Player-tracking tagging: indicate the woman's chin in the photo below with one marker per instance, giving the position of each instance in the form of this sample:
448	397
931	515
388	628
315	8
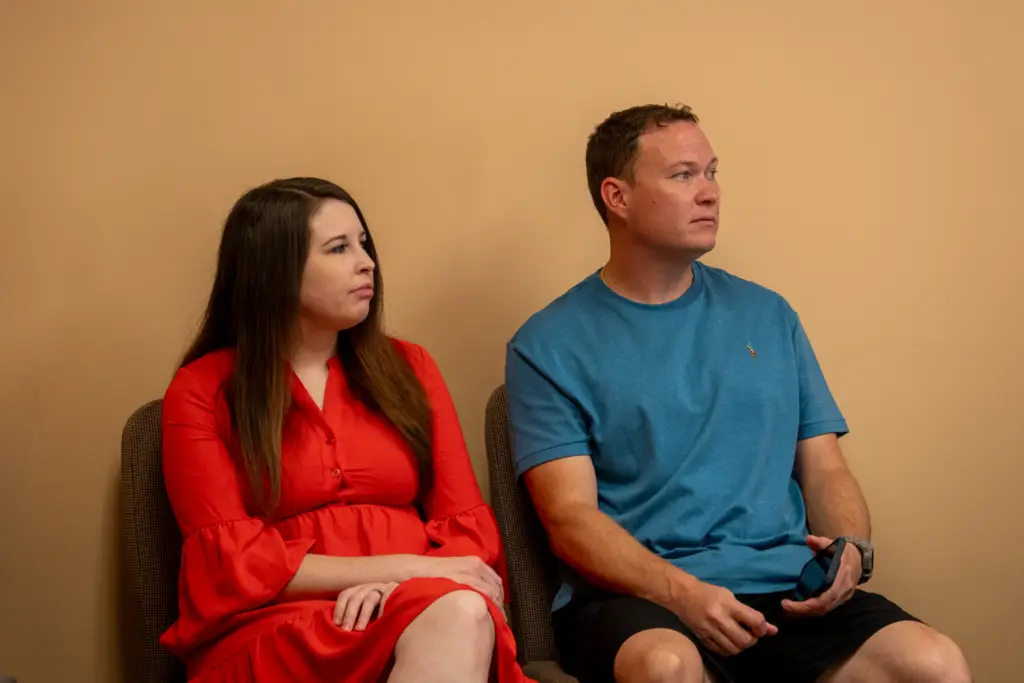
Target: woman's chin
351	318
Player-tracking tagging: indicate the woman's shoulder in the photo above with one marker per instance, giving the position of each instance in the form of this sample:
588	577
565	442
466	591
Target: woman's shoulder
418	357
410	350
205	375
416	354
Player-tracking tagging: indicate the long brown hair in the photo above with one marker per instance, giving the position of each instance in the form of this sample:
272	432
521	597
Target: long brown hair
253	308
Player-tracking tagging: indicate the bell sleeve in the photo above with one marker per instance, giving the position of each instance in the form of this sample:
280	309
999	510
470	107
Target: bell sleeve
459	521
231	561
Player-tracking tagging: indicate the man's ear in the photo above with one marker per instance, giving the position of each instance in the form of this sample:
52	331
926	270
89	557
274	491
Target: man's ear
616	195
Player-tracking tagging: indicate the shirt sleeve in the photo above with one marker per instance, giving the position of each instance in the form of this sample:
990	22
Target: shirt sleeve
231	562
546	424
459	521
819	413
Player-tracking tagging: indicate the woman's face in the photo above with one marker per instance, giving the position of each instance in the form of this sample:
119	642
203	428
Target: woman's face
337	283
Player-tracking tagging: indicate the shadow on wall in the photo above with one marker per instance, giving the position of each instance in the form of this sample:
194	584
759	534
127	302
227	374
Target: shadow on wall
475	304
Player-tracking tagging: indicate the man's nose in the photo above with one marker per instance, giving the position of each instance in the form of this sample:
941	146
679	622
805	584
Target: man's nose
708	193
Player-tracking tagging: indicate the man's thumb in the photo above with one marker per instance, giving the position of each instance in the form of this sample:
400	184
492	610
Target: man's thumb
818	542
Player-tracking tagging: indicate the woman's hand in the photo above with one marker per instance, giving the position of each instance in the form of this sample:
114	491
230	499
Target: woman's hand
470	571
356	605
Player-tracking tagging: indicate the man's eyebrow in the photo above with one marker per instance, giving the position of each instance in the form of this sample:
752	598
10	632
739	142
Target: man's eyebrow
689	163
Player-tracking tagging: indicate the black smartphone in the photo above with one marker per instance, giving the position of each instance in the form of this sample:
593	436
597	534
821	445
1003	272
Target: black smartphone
820	571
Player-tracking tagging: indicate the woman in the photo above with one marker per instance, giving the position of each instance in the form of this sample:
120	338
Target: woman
333	529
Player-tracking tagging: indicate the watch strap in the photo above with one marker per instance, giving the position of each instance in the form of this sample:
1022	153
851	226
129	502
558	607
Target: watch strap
867	554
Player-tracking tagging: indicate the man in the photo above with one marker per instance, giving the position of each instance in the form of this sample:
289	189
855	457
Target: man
680	444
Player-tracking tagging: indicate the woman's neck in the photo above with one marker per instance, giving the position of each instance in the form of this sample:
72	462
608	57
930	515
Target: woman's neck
314	347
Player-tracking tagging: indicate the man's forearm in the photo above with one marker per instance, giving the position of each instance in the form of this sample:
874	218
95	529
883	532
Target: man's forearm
836	505
607	556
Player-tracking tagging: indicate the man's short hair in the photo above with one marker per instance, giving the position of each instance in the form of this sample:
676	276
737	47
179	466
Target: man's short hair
612	147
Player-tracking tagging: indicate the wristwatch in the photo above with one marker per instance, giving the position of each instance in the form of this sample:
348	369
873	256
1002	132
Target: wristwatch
867	556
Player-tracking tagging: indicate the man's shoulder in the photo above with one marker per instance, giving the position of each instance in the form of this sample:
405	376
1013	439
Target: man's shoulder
735	290
557	319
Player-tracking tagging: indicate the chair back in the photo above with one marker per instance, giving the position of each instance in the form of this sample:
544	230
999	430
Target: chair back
152	544
532	569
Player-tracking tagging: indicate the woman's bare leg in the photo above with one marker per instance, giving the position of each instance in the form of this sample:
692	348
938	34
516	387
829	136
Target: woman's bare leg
449	642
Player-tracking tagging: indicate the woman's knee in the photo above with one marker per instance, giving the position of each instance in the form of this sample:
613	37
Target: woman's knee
465	614
658	656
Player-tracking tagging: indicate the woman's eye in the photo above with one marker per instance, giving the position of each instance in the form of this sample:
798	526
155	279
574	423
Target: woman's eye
339	249
683	175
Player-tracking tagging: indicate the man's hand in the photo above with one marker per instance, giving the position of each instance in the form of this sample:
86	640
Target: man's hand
723	623
842	589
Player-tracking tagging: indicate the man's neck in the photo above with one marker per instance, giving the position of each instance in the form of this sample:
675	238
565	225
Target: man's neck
644	280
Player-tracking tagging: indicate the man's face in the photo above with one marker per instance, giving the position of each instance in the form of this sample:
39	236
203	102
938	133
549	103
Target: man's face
674	198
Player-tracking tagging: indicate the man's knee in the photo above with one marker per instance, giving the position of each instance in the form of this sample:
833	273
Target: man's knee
658	656
915	652
936	659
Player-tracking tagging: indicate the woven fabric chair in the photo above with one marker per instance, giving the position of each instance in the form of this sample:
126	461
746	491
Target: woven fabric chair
532	571
152	544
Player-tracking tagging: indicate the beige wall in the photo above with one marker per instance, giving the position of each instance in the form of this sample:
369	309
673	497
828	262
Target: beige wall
871	169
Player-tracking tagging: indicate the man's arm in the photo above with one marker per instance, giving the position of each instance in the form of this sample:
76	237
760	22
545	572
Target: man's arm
835	503
835	507
564	492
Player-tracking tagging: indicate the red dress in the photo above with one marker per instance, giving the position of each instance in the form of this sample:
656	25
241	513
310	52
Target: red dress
348	485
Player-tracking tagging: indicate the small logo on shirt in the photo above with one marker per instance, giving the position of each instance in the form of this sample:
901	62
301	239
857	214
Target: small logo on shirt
753	353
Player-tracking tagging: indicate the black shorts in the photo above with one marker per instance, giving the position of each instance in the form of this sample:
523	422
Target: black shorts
590	632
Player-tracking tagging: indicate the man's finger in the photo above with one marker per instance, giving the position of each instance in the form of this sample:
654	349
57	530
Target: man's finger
725	646
809	607
818	542
832	597
710	644
754	620
738	636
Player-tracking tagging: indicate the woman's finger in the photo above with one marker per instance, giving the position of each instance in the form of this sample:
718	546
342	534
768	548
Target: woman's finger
486	573
495	588
340	605
369	605
353	607
384	598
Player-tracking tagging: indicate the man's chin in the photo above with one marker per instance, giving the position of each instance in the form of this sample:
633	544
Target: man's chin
697	247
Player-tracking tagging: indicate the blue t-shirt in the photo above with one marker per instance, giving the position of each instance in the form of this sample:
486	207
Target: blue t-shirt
690	411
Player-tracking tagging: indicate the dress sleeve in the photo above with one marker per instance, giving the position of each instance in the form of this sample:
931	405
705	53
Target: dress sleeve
459	522
231	562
